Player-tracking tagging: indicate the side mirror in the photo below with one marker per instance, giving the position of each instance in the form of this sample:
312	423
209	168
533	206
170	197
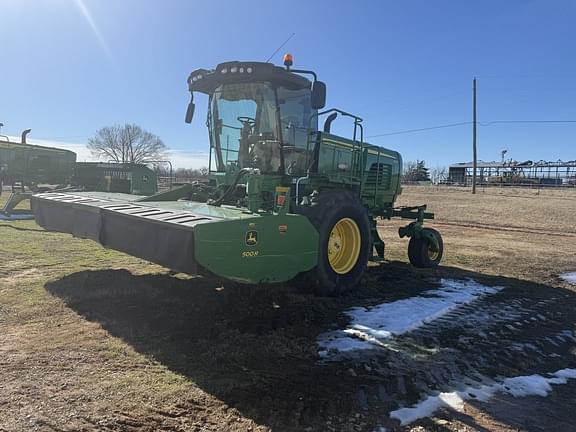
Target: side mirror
318	95
190	112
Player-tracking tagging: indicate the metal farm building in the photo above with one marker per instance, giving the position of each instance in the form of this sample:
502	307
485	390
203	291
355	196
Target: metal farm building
528	173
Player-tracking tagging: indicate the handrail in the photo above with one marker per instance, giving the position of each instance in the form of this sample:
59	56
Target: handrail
357	124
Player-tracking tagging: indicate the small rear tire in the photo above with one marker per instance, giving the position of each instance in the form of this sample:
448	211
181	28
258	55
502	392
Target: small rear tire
421	253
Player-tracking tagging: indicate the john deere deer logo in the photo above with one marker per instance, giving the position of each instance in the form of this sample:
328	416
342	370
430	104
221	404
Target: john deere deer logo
252	238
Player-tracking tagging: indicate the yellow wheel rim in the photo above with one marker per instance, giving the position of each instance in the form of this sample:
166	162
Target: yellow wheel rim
433	255
344	246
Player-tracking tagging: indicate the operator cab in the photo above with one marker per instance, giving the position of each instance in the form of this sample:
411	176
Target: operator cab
260	116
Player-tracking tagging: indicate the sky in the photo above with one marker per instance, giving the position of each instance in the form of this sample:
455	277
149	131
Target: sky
69	67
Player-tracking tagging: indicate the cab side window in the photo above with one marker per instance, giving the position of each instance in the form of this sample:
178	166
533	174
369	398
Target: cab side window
297	120
295	112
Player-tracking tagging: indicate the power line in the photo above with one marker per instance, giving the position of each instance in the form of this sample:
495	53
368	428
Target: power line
488	123
420	129
525	121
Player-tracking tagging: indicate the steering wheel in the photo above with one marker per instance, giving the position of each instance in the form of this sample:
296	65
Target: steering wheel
246	120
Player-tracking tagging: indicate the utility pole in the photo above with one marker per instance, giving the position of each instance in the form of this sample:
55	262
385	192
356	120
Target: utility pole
475	162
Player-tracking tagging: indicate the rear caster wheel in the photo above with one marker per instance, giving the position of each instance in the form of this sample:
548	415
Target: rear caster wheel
421	252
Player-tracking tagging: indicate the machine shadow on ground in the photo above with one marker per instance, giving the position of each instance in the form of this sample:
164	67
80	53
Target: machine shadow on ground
255	347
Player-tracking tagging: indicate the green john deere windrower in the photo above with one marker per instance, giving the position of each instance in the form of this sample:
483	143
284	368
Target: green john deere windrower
285	200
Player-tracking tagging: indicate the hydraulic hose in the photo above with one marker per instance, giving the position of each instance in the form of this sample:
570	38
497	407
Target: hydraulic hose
230	189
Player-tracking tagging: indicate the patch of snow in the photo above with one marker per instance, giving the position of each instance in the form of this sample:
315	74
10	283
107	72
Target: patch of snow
530	385
369	327
569	277
341	343
428	406
527	385
566	374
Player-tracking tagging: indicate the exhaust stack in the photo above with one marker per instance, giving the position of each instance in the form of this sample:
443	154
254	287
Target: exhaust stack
24	134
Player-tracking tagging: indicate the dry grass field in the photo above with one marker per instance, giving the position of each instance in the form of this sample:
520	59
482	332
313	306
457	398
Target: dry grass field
94	340
524	233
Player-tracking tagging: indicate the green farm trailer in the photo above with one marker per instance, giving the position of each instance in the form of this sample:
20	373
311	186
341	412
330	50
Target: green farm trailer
26	165
286	201
130	178
28	169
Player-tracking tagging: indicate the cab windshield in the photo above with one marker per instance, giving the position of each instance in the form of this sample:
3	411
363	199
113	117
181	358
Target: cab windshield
254	125
244	127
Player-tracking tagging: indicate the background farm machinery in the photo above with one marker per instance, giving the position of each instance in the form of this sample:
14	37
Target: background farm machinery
27	169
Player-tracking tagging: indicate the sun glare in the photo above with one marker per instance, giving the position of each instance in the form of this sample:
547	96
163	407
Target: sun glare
88	17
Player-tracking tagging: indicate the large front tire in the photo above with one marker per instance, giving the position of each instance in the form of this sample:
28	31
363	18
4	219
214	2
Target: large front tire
344	242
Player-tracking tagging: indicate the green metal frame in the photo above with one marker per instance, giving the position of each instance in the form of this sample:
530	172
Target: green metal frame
14	199
416	229
285	246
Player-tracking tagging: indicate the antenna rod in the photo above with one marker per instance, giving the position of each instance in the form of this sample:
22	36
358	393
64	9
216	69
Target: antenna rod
278	49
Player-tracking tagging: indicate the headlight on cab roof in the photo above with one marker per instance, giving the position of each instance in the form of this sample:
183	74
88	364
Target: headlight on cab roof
236	69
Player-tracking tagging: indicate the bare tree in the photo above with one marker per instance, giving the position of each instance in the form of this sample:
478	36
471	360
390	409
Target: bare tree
409	168
128	143
438	174
415	171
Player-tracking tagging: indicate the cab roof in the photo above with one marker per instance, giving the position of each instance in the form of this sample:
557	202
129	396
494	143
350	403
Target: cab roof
206	81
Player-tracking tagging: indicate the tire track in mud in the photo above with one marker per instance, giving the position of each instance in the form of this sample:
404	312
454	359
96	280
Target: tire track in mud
503	334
